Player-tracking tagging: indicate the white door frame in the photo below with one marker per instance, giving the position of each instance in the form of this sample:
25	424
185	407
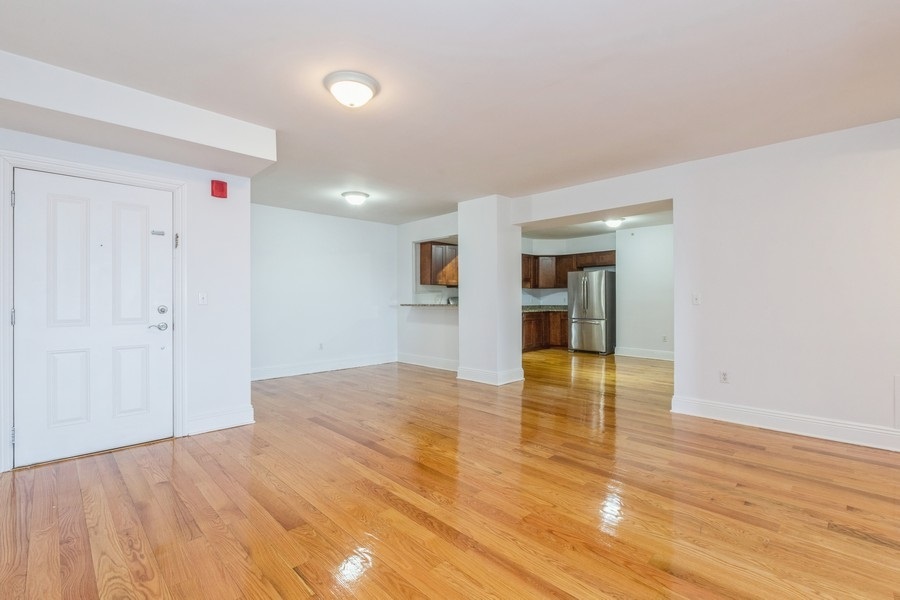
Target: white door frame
9	161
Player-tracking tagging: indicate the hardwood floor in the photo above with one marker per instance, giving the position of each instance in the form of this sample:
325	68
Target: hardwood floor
397	481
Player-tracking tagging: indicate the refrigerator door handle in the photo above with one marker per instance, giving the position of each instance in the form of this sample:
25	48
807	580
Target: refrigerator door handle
584	295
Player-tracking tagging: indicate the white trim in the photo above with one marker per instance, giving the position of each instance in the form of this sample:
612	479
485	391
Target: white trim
645	353
435	362
319	366
830	429
213	421
12	160
491	377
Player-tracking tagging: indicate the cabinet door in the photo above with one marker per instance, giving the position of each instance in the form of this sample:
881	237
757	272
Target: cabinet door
426	267
534	335
450	272
527	271
564	264
438	264
558	329
546	272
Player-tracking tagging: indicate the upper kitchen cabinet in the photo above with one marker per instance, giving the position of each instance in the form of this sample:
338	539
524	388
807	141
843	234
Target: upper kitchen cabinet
438	264
606	258
564	264
546	271
528	271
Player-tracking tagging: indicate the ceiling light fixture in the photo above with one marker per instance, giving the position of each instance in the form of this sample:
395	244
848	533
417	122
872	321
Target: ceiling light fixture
351	88
355	198
614	222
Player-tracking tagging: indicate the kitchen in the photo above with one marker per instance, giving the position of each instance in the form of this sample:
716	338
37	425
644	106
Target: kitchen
640	251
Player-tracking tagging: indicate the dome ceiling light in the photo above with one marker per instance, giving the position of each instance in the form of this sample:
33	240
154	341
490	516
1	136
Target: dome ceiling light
355	198
614	222
351	88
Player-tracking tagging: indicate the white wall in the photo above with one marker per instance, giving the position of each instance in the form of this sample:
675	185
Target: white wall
427	336
645	311
215	256
324	292
490	278
792	248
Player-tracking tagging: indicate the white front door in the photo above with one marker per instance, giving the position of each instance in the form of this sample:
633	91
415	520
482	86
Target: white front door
93	316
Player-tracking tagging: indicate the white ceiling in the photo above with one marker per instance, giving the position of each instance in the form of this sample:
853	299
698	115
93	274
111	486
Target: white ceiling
507	97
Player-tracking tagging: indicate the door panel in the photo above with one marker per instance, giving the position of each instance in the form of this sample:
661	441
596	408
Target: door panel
93	260
589	336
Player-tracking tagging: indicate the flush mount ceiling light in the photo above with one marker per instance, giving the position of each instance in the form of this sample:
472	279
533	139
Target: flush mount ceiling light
355	198
614	222
351	88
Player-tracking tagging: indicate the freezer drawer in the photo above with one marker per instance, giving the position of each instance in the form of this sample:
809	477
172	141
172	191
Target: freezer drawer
590	336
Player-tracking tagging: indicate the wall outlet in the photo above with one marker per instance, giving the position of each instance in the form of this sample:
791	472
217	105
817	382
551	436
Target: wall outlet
202	299
696	298
665	338
723	377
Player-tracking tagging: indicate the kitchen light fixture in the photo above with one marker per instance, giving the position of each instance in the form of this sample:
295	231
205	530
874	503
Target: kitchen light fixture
355	198
614	222
351	88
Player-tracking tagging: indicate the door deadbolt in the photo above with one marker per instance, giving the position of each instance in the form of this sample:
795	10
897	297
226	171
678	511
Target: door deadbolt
162	309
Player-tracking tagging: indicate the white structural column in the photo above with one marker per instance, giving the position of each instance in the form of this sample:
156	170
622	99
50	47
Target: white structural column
490	281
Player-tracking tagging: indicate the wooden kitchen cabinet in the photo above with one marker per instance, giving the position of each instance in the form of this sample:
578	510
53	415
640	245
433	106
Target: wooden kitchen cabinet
534	331
606	258
564	264
546	272
544	330
438	264
558	329
528	277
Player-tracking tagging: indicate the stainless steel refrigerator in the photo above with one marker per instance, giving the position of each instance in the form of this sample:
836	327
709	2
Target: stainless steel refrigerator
592	311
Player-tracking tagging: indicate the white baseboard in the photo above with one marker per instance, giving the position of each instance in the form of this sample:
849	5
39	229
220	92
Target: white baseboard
491	377
818	427
320	366
435	362
213	421
645	353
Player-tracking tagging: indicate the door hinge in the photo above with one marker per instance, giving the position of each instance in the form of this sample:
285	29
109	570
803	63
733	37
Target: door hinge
177	239
12	317
12	198
13	436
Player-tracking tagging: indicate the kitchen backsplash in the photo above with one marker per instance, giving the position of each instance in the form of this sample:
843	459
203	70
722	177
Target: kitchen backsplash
544	297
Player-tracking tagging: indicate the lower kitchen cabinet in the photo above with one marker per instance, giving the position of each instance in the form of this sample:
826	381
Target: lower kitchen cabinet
534	331
557	329
544	330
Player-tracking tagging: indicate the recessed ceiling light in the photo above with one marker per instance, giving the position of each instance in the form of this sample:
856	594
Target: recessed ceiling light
355	198
351	88
614	222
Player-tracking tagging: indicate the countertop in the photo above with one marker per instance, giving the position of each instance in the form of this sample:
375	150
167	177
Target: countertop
529	308
545	308
444	305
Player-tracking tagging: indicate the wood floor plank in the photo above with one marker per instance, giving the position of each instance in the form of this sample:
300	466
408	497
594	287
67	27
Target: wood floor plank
15	530
76	566
109	560
44	543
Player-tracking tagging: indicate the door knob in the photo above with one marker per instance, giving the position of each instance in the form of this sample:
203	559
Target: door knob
160	326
